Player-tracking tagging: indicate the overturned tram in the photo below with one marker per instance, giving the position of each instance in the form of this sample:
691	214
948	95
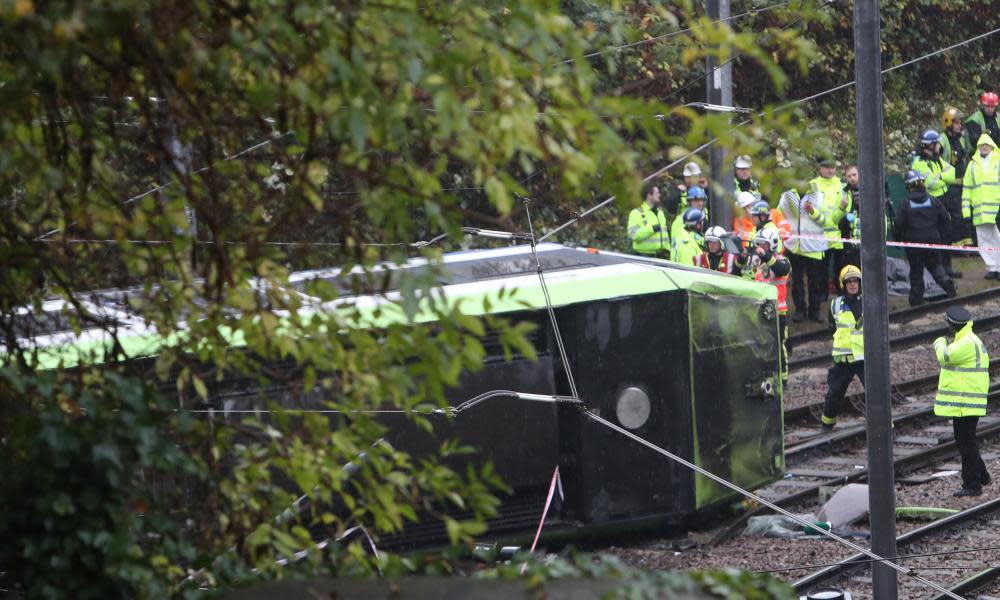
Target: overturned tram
684	358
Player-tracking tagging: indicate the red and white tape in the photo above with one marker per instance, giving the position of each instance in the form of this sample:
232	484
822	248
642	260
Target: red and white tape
820	238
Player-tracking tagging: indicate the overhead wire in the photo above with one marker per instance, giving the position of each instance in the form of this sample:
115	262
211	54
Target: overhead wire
732	486
779	108
658	38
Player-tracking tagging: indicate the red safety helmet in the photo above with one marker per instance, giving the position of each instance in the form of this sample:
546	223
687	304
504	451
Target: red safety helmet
989	99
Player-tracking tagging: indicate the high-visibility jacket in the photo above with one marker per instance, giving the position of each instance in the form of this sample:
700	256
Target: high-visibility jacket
727	262
677	226
964	383
938	173
978	124
746	230
849	335
686	246
981	185
779	282
640	230
832	189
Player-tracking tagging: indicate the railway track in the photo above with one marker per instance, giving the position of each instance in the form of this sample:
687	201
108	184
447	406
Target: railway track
976	523
904	315
808	462
897	343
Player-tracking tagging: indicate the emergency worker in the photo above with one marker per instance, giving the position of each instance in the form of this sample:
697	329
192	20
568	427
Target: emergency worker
766	265
677	200
696	198
743	225
848	344
984	120
744	182
850	224
981	199
921	220
835	205
687	244
956	150
963	387
647	225
761	213
715	256
938	175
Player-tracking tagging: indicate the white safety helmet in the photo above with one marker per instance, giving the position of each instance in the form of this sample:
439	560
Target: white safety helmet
743	162
714	234
768	236
745	199
692	170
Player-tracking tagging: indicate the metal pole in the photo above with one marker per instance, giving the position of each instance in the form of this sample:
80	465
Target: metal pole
881	483
720	92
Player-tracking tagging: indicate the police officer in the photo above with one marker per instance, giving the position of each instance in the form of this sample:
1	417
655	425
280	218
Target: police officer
647	225
962	392
848	344
687	244
984	120
835	205
938	175
850	224
922	219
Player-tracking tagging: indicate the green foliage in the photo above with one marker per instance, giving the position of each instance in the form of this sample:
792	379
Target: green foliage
299	136
82	510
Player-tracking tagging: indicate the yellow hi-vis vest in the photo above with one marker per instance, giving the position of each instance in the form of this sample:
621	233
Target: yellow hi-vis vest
981	186
849	336
640	230
965	375
833	191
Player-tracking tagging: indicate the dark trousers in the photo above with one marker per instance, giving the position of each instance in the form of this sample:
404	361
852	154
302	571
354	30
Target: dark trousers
783	332
815	270
974	473
920	259
837	379
836	259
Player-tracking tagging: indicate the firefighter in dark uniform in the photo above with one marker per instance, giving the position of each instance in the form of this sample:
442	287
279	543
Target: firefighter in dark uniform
922	219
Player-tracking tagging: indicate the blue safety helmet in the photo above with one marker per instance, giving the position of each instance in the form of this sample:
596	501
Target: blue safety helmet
913	176
693	216
760	209
696	192
930	137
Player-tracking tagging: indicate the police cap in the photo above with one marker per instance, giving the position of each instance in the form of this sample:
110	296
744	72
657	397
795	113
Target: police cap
956	315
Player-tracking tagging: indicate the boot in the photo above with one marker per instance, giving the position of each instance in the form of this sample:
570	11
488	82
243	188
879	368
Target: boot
951	289
968	491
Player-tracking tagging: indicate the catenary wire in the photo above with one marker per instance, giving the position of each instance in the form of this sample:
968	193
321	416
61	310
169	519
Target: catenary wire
548	306
776	110
751	12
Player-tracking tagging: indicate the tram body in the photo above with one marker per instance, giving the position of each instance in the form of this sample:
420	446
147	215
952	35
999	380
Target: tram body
684	358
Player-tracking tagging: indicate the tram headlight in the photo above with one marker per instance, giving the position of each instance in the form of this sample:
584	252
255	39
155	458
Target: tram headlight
632	407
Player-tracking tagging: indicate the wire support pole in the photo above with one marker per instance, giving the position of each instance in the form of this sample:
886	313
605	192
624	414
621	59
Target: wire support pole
871	156
880	559
548	305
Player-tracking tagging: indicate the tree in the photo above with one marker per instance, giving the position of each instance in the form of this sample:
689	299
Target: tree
195	153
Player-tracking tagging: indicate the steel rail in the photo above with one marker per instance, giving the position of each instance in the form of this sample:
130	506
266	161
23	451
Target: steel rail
901	466
860	561
903	315
975	583
899	342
